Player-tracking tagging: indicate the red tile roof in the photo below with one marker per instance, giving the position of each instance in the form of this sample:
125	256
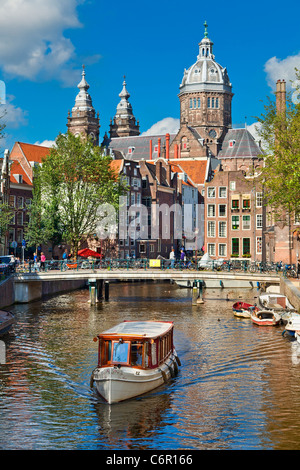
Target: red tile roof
195	170
17	169
34	153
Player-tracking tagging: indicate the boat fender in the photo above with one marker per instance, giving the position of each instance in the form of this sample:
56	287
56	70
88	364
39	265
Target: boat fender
92	381
171	371
164	376
175	368
178	360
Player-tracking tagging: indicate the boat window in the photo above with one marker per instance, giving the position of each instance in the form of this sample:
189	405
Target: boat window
136	353
120	351
153	354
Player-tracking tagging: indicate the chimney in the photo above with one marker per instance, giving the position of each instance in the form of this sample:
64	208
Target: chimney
158	151
167	146
280	96
168	173
151	152
176	151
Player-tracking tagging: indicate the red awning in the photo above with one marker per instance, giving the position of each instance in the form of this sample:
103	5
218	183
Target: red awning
87	252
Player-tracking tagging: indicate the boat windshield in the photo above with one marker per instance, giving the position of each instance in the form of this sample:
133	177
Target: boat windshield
120	351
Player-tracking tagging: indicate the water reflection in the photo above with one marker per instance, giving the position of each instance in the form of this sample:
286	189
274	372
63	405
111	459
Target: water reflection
238	387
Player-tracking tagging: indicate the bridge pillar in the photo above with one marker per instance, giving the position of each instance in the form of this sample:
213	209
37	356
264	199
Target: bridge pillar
106	290
195	293
99	289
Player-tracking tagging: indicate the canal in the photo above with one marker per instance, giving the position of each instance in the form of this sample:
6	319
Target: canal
238	387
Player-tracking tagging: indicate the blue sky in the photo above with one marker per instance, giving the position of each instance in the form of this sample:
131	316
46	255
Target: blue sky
43	44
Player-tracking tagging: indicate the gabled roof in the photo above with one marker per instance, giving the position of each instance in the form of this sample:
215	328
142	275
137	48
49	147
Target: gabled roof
34	153
139	145
17	169
196	170
239	143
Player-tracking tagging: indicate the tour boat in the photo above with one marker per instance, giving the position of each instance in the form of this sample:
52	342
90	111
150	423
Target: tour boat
6	321
134	358
265	318
243	310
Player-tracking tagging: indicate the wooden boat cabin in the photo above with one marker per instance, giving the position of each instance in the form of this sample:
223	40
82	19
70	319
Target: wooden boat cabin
144	345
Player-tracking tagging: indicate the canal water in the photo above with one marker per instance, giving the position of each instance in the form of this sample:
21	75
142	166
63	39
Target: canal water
238	387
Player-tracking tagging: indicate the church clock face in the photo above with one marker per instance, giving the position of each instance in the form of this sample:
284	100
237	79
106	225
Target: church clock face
212	134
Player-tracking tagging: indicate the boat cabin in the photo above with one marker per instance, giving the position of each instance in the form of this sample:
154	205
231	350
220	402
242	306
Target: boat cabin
144	345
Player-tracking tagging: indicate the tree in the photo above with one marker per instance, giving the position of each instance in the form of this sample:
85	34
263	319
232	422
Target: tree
280	133
71	185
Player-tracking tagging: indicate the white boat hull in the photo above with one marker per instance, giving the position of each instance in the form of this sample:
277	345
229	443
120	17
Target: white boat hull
115	384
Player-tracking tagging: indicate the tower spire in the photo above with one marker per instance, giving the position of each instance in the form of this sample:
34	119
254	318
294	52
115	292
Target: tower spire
205	31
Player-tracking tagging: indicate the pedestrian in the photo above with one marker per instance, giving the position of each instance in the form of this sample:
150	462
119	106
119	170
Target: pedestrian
36	262
43	259
172	258
65	259
182	256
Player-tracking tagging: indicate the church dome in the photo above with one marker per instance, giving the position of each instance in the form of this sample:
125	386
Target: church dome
206	74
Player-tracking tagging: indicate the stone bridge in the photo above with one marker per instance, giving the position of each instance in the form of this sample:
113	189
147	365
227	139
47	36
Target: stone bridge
33	286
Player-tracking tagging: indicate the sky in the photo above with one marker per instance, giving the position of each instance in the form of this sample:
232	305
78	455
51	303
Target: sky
44	43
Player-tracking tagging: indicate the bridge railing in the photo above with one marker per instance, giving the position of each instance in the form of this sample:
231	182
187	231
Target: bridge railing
144	263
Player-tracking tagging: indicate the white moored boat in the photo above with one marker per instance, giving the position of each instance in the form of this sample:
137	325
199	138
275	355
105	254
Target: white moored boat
134	358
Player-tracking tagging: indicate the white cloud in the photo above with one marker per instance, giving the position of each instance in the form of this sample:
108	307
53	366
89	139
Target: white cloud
13	116
32	40
46	143
284	69
166	125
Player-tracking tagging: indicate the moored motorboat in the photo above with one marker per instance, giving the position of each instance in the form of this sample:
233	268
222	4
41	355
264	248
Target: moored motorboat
134	358
243	309
6	321
265	318
275	302
292	326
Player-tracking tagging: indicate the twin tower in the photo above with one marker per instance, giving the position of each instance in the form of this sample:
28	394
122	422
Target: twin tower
205	95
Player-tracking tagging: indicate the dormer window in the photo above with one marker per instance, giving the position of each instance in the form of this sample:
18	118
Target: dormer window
131	150
231	143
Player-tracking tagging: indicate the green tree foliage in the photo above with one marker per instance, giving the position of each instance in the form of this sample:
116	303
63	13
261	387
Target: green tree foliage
71	185
280	133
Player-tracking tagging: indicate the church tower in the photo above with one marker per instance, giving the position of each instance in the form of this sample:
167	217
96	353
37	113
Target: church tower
205	104
124	123
83	120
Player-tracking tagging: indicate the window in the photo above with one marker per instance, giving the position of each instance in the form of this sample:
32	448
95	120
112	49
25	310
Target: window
259	199
20	201
246	222
222	210
217	102
211	212
132	199
199	103
212	102
19	235
246	202
258	245
211	192
195	103
246	246
20	218
222	229
211	229
12	201
191	103
208	102
232	185
235	246
222	249
222	191
297	217
211	248
259	221
235	222
142	248
120	352
235	204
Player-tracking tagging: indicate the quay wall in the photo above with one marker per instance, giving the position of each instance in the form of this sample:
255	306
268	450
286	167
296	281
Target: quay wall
7	293
12	292
291	289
